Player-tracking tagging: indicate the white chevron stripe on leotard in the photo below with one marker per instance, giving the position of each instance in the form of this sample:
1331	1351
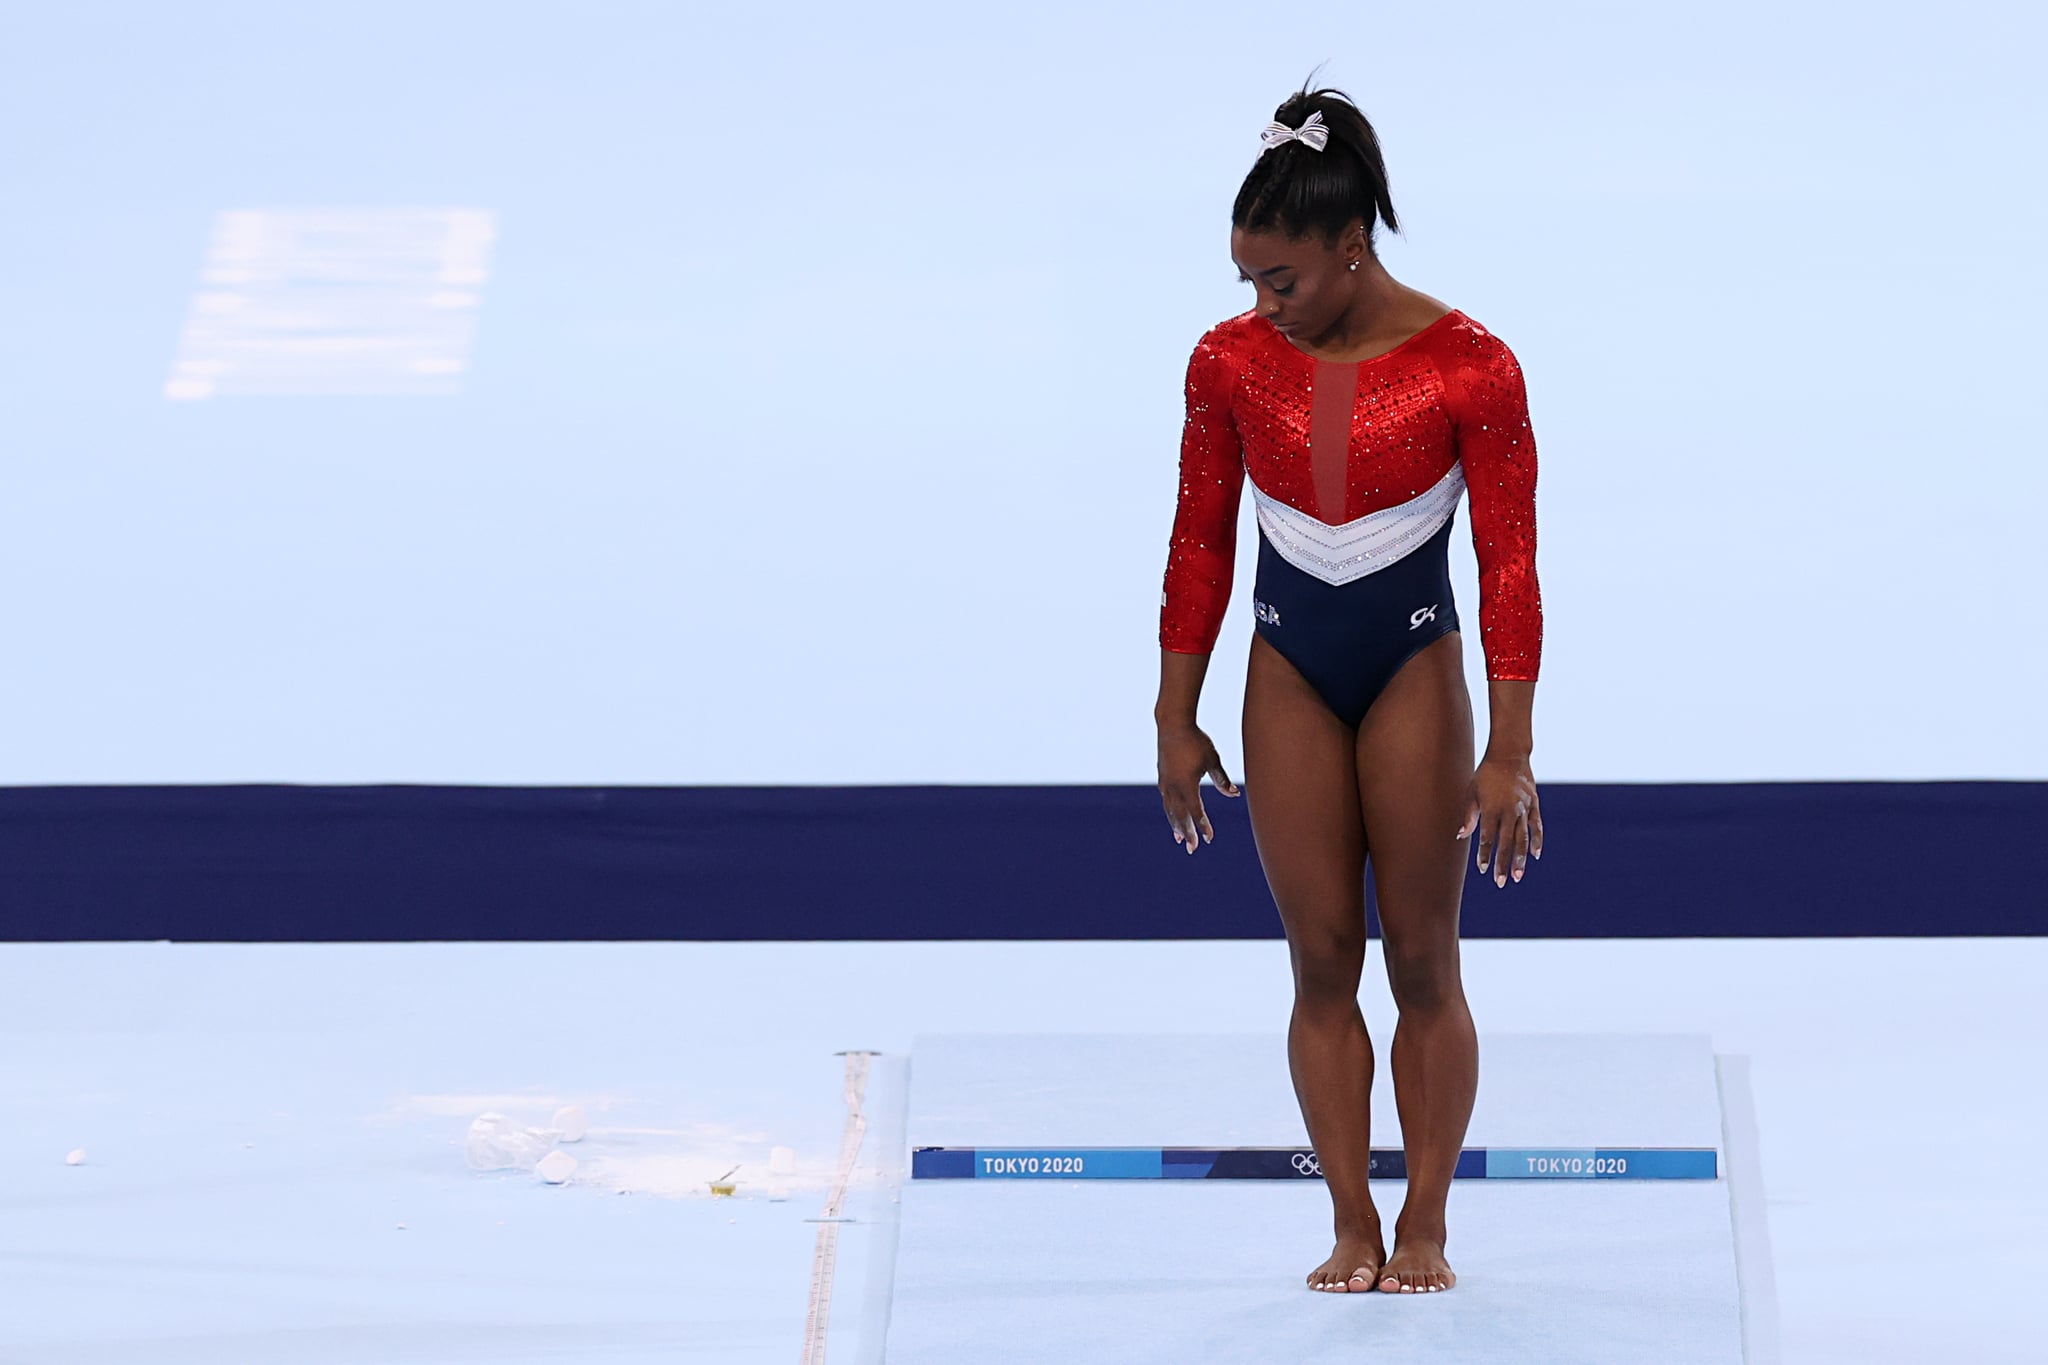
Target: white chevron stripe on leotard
1367	544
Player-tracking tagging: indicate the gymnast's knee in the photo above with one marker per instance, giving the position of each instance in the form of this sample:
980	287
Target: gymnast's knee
1424	983
1326	972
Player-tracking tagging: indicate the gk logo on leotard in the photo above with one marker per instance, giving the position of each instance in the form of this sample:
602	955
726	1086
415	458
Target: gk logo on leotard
1266	612
1421	614
1305	1163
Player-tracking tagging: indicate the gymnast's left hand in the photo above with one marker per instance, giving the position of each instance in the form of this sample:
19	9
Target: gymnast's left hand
1500	802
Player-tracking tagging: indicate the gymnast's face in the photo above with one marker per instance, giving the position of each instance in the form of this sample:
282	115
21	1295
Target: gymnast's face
1303	286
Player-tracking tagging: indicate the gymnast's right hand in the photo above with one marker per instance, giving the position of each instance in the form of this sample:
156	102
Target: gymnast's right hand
1186	756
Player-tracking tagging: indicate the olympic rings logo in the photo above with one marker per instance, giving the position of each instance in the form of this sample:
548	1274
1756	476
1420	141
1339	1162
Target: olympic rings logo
1305	1163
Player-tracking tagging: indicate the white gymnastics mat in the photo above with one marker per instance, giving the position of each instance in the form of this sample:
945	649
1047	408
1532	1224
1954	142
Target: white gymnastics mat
1232	1089
1076	1271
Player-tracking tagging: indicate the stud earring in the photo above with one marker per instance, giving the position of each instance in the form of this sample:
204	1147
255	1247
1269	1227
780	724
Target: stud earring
1352	266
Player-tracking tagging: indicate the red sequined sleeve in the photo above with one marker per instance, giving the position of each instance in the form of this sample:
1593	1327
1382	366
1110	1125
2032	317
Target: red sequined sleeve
1490	409
1203	551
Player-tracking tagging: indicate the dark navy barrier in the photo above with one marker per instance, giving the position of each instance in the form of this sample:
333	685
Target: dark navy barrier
402	862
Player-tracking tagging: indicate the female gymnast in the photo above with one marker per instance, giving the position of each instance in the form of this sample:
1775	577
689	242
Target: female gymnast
1360	408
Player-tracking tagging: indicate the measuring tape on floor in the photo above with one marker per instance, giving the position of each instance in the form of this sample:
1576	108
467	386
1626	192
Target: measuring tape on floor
818	1317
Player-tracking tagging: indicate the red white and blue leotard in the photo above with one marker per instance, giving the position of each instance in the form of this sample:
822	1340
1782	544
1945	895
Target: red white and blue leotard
1356	468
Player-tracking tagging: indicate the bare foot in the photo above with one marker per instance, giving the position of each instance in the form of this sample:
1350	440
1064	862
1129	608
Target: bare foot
1351	1267
1416	1267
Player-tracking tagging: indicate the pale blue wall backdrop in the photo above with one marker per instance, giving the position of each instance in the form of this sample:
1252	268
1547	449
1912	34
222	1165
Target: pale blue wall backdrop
820	419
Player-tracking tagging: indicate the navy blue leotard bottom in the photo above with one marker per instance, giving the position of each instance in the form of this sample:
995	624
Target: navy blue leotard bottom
1348	641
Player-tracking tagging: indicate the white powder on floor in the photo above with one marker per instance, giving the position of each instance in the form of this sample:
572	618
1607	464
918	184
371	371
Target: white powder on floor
672	1162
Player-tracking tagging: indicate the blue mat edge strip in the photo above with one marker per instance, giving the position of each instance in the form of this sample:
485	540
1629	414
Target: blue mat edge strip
1298	1163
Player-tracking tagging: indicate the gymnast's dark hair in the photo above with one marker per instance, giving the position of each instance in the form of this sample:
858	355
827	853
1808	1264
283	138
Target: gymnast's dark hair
1302	191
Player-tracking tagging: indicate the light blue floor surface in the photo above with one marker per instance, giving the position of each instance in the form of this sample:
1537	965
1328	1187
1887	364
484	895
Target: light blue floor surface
258	1121
1147	1273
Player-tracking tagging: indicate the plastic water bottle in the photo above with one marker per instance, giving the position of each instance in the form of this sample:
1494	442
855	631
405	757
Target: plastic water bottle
496	1143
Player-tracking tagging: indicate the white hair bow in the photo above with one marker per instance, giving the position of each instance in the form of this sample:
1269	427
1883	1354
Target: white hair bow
1312	132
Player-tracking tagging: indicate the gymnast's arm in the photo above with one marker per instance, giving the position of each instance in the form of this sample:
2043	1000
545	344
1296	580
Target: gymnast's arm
1199	564
1497	448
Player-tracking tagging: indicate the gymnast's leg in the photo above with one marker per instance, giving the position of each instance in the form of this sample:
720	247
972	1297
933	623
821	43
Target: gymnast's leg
1301	791
1414	761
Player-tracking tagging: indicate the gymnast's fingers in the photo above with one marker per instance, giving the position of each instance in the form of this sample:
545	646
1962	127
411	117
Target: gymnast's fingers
1197	820
1183	808
1221	778
1507	831
1521	844
1489	826
1175	805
